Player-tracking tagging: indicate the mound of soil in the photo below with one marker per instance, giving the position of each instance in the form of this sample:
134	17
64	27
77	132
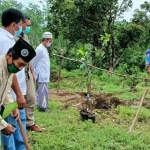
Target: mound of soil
114	101
101	102
79	100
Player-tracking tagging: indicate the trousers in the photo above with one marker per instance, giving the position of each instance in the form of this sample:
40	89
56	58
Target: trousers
30	101
42	94
15	140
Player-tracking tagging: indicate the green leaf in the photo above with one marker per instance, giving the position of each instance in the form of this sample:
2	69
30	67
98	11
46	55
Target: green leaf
102	38
107	35
81	52
82	66
9	108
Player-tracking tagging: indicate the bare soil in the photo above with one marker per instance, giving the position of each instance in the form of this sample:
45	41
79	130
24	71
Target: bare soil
99	101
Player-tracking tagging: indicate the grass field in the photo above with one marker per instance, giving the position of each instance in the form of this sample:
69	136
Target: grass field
64	129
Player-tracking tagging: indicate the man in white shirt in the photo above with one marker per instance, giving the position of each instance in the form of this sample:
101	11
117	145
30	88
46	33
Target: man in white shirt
7	32
12	25
41	66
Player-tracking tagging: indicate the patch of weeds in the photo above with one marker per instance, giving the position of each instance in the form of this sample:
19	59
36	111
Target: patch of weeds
64	130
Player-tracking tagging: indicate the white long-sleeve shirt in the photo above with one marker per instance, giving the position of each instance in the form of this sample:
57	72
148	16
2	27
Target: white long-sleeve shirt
22	83
6	42
41	64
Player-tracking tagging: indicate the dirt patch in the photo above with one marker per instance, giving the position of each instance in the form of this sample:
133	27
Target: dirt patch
116	102
106	102
63	95
100	101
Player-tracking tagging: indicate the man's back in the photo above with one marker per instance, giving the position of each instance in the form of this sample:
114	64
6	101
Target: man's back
6	41
147	59
5	79
23	36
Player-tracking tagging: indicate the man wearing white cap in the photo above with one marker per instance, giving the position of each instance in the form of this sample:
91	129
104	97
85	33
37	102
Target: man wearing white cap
41	66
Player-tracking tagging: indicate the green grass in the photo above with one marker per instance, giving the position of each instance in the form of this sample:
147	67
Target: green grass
65	130
72	81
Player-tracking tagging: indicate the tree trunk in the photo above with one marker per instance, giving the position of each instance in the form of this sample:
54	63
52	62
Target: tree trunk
67	47
89	85
111	69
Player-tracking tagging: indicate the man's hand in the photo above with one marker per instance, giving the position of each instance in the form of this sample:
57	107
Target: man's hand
8	130
21	101
149	69
16	114
33	78
32	72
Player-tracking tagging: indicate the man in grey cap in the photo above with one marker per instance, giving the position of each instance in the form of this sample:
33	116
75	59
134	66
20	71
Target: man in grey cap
41	66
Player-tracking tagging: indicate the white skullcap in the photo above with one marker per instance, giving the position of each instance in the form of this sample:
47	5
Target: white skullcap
47	35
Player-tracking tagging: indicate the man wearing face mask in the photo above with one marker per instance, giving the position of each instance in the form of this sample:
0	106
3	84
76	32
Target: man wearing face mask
15	60
12	25
25	29
41	66
30	92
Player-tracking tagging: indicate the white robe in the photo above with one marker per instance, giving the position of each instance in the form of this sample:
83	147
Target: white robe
41	64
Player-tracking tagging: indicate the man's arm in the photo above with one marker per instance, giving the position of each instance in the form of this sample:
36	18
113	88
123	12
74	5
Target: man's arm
4	46
36	59
3	123
32	72
149	69
20	98
147	60
4	126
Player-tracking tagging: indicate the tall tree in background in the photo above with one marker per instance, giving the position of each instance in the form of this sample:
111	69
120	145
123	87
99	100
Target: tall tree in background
142	17
34	12
87	20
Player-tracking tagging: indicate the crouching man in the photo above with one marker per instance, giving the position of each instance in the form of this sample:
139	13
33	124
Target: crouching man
15	60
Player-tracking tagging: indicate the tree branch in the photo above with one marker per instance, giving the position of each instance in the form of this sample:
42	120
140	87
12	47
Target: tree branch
95	23
125	49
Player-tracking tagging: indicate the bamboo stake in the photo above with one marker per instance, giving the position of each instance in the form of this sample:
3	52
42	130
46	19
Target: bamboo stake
137	113
123	82
98	68
24	136
59	73
146	81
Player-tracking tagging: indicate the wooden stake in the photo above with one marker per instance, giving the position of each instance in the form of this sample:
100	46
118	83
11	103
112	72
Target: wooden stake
89	80
129	76
137	113
123	82
146	81
59	73
24	136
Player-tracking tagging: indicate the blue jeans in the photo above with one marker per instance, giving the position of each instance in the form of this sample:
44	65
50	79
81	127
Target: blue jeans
15	140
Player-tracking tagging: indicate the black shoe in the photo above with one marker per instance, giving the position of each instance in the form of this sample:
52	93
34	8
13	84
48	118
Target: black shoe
45	110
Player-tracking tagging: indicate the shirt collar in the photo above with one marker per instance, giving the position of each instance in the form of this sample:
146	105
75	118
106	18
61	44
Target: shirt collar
43	46
5	64
7	33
